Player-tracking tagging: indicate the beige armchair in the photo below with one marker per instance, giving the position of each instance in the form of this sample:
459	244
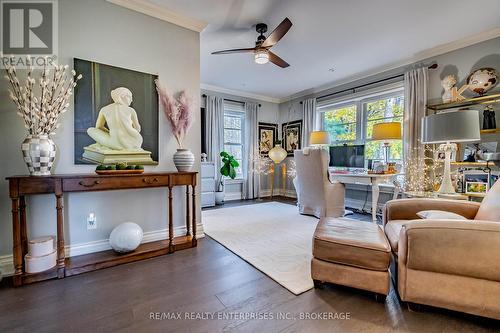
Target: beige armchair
453	264
316	195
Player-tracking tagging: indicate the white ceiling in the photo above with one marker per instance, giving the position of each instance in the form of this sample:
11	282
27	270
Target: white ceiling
355	37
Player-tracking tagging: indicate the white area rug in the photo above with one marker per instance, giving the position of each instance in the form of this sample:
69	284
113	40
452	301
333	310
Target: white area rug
273	237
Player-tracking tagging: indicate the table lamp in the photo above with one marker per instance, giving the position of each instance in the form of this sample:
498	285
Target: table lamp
319	138
447	127
387	132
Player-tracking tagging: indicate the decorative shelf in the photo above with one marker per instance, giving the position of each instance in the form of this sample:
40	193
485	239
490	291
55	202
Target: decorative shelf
472	164
487	99
490	131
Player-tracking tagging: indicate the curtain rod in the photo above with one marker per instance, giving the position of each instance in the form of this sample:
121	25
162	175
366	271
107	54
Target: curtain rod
433	66
227	99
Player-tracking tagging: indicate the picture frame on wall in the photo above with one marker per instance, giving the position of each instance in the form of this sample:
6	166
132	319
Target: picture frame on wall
93	92
268	135
292	136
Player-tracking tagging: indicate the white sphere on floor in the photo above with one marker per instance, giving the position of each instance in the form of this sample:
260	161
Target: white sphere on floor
126	237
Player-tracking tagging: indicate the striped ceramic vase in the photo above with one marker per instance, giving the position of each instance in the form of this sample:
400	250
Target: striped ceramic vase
183	159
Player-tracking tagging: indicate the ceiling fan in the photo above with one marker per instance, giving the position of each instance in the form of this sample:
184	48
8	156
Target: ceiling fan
261	51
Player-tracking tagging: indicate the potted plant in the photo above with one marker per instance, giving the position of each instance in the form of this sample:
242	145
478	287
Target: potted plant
228	169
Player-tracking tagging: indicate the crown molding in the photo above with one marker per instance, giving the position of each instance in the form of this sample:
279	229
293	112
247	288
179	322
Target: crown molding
241	93
162	13
420	56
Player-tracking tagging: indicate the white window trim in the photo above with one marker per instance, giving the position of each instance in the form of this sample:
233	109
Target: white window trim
359	99
240	114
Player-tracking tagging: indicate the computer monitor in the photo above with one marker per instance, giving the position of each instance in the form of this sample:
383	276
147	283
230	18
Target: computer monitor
347	156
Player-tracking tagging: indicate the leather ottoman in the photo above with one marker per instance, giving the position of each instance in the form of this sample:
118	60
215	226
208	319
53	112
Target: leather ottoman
351	253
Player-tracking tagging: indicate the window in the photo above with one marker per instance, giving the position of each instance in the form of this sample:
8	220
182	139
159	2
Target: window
234	125
351	121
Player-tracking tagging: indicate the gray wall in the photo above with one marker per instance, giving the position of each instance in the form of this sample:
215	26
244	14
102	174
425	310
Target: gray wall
459	62
268	113
100	31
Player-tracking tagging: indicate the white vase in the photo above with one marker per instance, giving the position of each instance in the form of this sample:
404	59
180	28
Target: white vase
39	153
183	159
219	198
126	237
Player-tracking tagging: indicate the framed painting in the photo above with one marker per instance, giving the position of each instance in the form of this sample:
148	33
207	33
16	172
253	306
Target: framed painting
268	135
93	92
292	136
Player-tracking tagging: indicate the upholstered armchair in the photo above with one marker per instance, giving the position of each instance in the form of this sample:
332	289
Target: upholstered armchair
316	195
453	264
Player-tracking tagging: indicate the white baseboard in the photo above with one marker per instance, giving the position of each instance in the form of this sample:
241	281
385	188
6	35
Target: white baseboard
233	196
7	265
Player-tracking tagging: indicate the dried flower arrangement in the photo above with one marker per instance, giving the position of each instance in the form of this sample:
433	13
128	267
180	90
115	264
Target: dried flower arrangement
179	111
41	101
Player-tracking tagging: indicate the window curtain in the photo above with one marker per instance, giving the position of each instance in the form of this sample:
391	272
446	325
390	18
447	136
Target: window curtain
251	183
309	119
415	82
214	134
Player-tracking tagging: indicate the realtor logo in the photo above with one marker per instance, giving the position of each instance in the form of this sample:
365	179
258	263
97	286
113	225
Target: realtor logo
27	27
29	32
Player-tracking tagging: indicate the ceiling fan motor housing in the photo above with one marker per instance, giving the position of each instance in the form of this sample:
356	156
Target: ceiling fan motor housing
261	28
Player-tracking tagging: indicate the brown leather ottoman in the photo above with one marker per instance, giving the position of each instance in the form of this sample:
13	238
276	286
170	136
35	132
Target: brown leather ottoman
351	253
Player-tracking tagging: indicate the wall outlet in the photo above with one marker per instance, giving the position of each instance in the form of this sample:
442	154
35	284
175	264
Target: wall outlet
91	222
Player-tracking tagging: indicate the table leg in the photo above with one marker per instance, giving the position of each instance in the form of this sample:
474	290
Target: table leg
375	194
17	243
193	240
24	232
170	222
397	189
188	218
61	256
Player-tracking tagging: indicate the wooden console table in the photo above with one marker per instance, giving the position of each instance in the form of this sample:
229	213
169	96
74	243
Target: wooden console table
20	186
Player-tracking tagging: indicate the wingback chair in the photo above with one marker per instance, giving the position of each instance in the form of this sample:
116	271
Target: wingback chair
453	264
316	195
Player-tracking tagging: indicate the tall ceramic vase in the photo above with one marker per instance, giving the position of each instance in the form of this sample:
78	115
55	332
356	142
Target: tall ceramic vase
39	153
183	159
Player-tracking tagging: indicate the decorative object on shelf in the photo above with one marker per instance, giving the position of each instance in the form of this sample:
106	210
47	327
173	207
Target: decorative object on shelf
41	100
476	182
228	169
319	138
447	127
489	121
126	237
41	254
268	135
204	157
387	132
93	93
119	169
482	80
292	136
180	115
448	83
117	133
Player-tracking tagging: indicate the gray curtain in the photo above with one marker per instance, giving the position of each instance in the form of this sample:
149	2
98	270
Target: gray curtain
251	184
416	82
309	119
214	134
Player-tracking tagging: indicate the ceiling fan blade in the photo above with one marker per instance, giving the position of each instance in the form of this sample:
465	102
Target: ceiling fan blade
277	60
277	33
248	50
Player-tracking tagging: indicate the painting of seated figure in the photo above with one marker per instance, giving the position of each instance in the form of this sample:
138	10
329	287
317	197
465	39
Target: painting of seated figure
116	115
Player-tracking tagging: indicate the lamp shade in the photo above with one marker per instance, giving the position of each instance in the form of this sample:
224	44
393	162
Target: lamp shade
387	131
277	154
454	126
319	138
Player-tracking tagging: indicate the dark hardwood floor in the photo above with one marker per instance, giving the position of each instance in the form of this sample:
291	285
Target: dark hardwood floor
211	281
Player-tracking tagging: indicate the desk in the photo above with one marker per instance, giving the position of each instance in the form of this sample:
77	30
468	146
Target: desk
368	179
21	186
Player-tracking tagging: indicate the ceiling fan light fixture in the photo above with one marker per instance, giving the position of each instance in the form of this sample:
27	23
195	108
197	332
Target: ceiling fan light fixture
261	57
